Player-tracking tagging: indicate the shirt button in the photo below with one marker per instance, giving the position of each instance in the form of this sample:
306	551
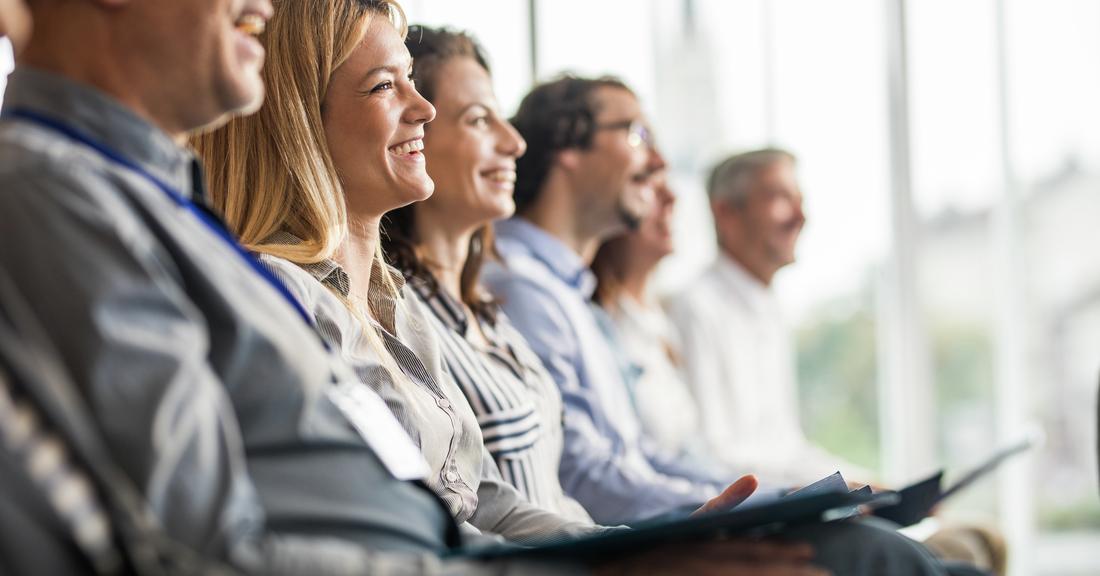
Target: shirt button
451	476
443	403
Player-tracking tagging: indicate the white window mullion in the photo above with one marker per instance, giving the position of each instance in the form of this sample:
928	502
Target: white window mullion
1015	486
906	394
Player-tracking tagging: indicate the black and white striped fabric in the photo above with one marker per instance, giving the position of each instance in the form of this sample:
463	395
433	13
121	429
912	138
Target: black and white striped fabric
518	406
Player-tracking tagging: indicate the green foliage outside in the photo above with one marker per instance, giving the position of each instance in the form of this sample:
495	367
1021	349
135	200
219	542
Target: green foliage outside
836	375
1084	516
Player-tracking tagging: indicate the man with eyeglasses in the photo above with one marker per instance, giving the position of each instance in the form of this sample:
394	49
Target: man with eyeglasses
587	176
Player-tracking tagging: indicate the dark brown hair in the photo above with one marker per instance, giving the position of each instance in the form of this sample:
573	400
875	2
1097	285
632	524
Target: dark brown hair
554	116
431	48
607	265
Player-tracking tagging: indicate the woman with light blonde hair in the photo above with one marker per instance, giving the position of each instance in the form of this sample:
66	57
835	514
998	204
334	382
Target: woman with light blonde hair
305	182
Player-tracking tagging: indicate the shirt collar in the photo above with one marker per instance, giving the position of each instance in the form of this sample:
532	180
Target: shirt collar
734	274
331	274
327	271
647	317
518	234
454	316
443	305
108	121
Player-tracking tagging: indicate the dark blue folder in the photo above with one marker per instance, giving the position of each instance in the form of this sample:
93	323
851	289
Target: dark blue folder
760	519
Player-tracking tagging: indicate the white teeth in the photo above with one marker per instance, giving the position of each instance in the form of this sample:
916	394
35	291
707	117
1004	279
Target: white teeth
251	24
503	176
408	147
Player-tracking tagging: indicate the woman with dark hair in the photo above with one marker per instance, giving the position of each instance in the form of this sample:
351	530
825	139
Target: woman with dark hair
440	245
623	267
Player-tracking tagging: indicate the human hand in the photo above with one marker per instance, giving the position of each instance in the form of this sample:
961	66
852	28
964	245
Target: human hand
733	495
727	558
875	487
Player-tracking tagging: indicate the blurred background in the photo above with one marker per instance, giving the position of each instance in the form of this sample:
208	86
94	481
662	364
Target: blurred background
946	300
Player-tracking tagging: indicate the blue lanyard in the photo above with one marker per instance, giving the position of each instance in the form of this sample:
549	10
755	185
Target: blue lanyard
214	224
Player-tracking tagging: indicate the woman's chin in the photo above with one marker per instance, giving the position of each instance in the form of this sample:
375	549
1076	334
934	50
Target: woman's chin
419	192
489	215
500	211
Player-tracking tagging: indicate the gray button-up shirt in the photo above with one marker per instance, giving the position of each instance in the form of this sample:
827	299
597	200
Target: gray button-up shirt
207	387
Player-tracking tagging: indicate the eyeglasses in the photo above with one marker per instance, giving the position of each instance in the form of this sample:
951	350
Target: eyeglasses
637	133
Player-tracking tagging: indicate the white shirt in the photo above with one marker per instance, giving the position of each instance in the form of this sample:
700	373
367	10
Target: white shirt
739	363
664	403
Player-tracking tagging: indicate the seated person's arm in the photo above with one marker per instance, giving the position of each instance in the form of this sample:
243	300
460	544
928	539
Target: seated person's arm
138	351
612	489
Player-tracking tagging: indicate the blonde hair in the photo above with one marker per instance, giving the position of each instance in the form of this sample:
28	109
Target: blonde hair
272	171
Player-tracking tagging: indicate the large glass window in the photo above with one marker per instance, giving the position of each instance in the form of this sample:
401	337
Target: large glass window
1053	48
503	29
829	107
957	180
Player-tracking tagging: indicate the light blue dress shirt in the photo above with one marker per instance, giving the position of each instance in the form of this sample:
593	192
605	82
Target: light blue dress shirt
608	465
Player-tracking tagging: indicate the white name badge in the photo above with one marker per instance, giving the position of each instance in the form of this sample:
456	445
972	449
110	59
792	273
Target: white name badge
368	413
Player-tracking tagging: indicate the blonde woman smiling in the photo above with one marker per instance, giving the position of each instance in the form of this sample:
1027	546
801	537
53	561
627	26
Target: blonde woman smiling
305	182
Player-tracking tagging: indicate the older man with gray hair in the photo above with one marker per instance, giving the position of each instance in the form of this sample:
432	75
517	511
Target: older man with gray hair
737	352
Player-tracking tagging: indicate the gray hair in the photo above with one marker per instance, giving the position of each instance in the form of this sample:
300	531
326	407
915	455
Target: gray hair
728	179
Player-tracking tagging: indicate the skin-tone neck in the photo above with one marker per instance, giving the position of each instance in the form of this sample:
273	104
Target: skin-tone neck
444	245
557	213
754	263
356	253
80	45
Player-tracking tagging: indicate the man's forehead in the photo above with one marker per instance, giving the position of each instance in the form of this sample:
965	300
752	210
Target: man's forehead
613	101
777	176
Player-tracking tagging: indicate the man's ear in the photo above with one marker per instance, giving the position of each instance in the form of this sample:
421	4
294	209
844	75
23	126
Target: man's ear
720	208
726	213
568	159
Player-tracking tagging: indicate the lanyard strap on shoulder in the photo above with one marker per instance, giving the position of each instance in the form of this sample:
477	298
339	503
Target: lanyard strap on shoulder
213	224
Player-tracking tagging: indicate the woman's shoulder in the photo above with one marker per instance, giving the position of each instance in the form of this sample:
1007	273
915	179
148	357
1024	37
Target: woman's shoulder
298	281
